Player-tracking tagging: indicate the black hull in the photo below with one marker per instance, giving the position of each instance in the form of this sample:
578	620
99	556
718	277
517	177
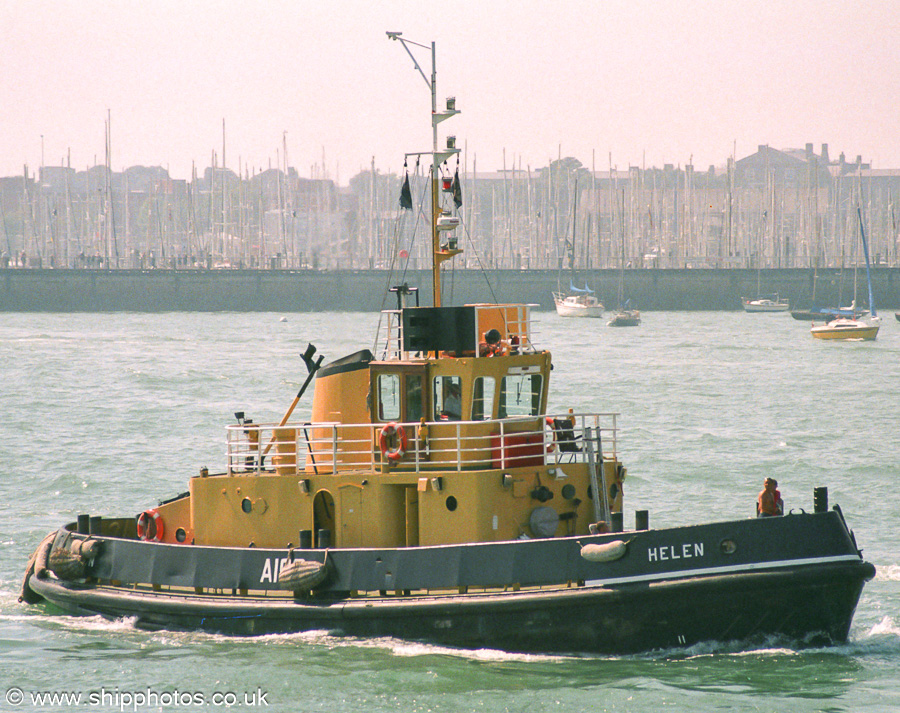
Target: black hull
825	314
798	576
811	605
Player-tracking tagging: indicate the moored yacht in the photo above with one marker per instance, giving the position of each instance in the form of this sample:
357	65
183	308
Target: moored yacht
859	326
577	303
769	303
863	328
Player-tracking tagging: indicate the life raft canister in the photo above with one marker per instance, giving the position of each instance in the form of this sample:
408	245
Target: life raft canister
143	525
392	441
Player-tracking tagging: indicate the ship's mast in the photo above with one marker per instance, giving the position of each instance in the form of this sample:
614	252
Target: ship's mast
441	221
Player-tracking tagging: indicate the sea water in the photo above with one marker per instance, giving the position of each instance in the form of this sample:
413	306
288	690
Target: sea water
109	413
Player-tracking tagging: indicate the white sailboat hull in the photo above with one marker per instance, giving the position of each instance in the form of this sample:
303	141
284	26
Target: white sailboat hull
766	305
577	305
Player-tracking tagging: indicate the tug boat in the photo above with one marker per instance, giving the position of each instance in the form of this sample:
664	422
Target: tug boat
432	497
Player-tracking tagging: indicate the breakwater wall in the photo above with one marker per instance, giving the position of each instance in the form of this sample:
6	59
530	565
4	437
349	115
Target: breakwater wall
55	290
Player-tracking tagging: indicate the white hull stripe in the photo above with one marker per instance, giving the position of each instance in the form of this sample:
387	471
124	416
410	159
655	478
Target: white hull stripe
683	573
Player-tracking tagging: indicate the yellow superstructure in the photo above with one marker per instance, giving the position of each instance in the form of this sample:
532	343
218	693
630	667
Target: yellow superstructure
428	446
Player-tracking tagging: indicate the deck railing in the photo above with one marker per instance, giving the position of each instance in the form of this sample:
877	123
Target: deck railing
297	448
515	322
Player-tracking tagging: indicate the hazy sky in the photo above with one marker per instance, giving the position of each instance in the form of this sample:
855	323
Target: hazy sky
650	82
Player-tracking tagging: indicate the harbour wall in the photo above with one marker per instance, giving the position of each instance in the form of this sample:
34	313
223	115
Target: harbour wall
85	290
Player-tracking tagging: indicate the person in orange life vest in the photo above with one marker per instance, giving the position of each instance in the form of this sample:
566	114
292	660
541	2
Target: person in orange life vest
769	502
493	344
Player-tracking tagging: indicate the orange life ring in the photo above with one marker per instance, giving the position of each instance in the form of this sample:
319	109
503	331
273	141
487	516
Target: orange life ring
551	444
143	525
393	432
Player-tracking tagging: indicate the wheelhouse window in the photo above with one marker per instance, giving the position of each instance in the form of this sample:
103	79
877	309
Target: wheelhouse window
389	397
400	396
520	395
415	398
483	398
447	398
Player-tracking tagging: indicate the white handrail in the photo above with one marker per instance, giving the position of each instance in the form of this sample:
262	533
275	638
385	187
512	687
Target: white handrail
330	447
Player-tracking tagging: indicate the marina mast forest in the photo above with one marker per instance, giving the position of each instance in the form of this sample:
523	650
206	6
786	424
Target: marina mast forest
773	209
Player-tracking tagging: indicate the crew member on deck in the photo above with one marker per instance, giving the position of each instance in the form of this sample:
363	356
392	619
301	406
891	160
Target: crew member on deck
452	406
769	502
492	344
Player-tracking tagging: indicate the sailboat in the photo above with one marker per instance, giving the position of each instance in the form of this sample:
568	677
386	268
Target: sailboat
431	496
578	302
816	312
625	316
763	303
766	303
827	314
861	326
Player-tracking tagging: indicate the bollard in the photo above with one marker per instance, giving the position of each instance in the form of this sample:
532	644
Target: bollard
642	520
324	539
820	499
84	525
305	539
617	524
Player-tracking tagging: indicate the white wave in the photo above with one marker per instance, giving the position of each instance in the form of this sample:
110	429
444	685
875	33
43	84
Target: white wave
332	640
770	646
94	623
886	626
412	649
175	638
887	573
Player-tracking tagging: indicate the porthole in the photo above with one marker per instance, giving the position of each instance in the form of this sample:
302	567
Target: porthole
728	547
180	534
568	491
451	503
246	505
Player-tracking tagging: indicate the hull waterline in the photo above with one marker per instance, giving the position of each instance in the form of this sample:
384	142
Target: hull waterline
799	576
797	603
